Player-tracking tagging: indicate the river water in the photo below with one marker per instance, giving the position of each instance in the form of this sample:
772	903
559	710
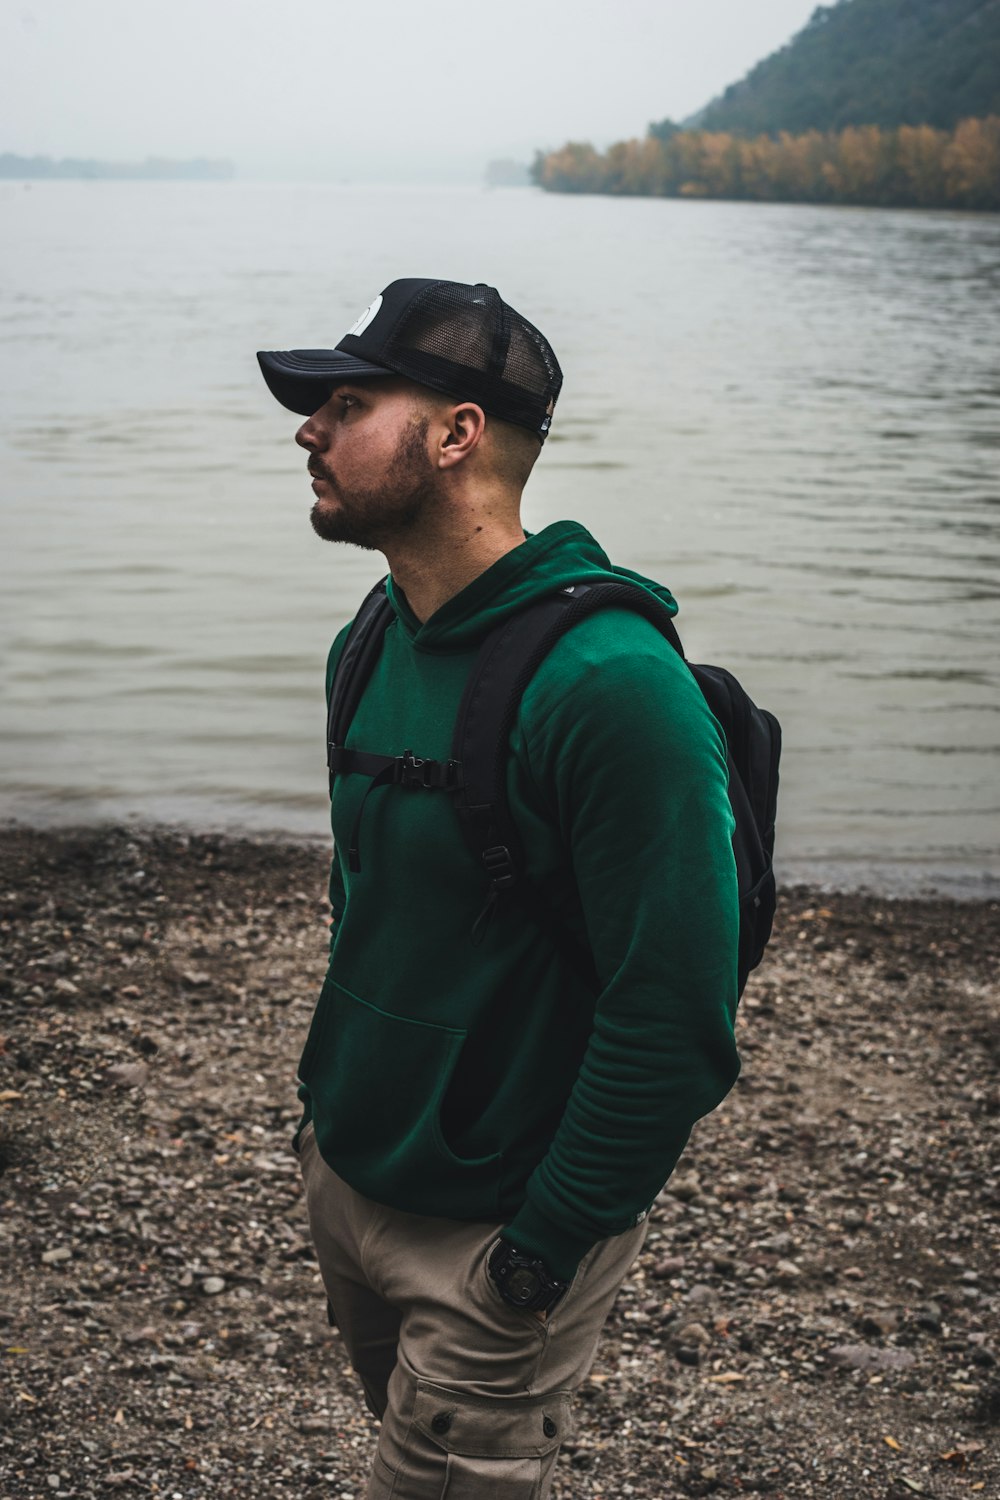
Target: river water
787	414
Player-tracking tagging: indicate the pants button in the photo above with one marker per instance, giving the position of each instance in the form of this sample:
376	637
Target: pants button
549	1427
441	1422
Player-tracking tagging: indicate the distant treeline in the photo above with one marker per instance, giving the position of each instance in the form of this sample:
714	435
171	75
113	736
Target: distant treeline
154	167
914	166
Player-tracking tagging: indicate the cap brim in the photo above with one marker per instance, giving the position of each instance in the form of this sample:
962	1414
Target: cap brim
303	380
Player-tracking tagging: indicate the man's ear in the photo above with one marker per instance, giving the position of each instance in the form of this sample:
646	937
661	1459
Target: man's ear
465	426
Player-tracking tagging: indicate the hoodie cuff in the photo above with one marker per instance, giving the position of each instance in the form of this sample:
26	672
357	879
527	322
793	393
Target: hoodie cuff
534	1233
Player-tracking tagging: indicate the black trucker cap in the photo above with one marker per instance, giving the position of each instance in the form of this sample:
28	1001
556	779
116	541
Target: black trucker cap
462	340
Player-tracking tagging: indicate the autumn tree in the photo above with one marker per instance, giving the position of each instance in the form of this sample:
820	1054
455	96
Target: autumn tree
915	165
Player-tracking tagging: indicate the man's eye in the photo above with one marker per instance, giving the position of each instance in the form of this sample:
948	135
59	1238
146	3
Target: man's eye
347	401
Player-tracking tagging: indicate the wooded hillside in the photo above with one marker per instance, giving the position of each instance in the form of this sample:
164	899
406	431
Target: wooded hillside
872	62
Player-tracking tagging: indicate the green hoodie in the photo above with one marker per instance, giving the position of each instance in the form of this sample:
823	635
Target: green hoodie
490	1082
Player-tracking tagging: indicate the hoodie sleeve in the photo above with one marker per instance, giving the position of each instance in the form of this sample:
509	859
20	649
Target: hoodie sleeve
630	762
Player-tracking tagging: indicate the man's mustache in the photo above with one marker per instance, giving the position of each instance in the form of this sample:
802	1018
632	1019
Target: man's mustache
319	470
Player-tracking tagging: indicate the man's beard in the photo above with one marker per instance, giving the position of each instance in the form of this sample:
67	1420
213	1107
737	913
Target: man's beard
374	516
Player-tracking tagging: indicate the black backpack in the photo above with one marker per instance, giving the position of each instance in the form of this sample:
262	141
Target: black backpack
476	774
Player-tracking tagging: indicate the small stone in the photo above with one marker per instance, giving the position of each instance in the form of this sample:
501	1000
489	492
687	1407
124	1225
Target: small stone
685	1188
881	1321
65	987
694	1333
57	1256
864	1357
688	1356
213	1285
128	1075
928	1316
147	1335
701	1294
787	1270
911	1384
313	1424
669	1265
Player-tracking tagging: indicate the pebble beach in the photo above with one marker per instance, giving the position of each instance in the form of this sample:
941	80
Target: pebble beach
815	1312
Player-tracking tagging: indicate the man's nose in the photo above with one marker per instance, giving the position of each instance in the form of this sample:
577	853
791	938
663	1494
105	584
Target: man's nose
310	435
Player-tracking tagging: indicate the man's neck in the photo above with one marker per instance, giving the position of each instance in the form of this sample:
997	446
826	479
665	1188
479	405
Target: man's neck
434	568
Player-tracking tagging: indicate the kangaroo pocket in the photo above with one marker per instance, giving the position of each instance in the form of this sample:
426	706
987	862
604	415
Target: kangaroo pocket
376	1082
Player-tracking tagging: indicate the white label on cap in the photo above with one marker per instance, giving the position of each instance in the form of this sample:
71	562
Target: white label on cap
366	317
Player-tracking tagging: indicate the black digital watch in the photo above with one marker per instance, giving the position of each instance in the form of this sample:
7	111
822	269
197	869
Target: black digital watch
523	1280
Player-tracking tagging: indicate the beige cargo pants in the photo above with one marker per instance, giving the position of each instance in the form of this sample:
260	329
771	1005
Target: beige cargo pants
473	1394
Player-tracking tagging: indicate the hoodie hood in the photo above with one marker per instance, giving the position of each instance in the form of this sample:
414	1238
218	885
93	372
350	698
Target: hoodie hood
564	553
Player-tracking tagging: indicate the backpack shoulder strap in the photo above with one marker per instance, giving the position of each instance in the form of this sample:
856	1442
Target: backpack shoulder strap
508	659
357	661
354	669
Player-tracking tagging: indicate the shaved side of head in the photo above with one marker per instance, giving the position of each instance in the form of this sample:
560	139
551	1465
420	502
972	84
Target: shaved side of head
508	451
512	451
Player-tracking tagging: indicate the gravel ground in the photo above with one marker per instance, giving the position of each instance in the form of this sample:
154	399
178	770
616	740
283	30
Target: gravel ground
815	1313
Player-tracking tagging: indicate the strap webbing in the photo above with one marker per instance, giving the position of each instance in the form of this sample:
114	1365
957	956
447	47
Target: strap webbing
357	660
356	664
403	770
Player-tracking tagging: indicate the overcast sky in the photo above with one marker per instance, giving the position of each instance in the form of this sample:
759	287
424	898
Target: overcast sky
378	90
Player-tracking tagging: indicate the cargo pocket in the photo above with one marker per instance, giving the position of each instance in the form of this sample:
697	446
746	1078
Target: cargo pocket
493	1445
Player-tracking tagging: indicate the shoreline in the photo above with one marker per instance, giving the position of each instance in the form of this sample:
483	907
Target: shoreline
887	880
821	1273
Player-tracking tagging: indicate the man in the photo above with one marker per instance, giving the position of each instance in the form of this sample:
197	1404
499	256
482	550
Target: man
485	1129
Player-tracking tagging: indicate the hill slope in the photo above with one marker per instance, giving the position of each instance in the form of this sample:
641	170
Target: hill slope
872	62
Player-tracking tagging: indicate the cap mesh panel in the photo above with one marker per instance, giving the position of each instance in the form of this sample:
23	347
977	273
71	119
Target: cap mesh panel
470	328
530	361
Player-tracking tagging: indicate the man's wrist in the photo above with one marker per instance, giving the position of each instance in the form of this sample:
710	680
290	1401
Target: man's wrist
561	1247
523	1280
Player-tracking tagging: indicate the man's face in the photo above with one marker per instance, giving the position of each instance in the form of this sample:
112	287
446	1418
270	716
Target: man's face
371	471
